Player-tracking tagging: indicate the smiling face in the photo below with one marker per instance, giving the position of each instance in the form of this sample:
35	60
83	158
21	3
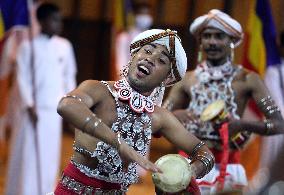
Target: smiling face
149	68
216	45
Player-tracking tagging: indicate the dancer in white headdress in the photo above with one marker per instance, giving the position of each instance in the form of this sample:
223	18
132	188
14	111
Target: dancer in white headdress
115	120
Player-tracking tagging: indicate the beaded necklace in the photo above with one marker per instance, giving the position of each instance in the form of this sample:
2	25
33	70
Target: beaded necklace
137	102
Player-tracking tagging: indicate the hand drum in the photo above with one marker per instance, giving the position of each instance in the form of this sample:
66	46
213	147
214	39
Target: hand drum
216	112
176	174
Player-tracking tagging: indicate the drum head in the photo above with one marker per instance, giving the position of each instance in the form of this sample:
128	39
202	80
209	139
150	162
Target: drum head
213	110
176	174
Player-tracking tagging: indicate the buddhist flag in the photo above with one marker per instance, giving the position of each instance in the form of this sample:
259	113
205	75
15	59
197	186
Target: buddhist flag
260	54
260	38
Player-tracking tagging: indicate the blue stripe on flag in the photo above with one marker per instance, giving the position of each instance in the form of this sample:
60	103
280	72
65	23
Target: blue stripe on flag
263	11
14	12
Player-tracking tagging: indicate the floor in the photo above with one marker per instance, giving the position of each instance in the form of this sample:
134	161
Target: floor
145	186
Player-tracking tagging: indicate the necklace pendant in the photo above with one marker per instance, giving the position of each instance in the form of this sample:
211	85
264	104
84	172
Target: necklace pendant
217	74
137	102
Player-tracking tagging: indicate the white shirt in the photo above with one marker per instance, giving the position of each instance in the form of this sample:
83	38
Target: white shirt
54	70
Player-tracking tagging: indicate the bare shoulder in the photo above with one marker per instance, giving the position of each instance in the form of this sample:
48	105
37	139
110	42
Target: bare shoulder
252	78
94	88
189	76
90	85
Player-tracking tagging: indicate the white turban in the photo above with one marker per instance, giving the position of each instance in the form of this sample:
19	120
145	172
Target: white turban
169	39
217	19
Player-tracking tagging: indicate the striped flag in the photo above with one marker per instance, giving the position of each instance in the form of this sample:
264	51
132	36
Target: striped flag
260	38
260	53
271	145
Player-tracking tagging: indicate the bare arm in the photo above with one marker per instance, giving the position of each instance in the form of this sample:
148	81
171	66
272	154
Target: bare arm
173	130
177	98
75	109
274	123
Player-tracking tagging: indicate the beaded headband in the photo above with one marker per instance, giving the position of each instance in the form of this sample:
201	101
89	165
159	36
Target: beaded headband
172	35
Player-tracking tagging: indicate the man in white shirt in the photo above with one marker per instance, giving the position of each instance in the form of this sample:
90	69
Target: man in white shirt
143	21
46	71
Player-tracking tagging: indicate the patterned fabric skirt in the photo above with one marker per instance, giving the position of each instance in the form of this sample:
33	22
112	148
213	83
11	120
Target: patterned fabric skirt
73	182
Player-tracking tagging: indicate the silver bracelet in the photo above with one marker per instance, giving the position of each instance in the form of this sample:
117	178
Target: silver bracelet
269	126
92	118
118	141
97	122
73	96
195	149
87	120
207	160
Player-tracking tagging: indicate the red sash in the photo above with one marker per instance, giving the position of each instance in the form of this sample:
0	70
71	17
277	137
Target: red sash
72	172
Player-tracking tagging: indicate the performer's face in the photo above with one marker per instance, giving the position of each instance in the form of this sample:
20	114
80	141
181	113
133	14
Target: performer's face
216	45
149	68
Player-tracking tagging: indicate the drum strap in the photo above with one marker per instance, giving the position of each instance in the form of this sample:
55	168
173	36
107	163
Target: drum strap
224	134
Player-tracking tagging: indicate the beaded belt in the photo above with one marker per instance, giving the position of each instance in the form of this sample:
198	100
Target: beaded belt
80	188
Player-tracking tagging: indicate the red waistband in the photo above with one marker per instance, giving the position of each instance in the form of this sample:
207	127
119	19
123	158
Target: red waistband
234	156
77	175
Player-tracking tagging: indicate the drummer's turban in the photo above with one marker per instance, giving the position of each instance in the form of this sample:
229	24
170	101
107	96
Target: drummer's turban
217	19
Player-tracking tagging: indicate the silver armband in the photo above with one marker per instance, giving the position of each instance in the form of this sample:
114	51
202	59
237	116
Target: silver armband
268	106
118	141
265	101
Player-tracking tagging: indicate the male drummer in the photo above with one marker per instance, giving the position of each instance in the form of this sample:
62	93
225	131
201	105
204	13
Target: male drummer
218	78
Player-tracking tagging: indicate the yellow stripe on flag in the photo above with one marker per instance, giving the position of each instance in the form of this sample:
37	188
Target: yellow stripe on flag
119	15
256	50
1	26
